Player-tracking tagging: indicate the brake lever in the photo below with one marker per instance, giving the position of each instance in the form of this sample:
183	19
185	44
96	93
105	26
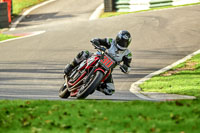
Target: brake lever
103	49
96	47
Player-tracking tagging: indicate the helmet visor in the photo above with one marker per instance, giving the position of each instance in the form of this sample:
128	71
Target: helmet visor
123	44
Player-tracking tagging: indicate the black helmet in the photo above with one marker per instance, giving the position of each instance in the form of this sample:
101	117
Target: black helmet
123	40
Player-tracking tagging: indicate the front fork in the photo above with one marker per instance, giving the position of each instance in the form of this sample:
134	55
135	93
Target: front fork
91	72
66	80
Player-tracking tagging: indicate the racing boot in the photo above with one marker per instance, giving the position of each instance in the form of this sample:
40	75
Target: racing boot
110	89
106	88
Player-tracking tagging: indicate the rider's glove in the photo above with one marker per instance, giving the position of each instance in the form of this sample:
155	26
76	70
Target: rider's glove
124	68
95	41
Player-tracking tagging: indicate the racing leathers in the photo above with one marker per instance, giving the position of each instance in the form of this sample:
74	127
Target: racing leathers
124	56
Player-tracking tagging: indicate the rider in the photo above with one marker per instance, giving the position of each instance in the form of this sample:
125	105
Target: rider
117	48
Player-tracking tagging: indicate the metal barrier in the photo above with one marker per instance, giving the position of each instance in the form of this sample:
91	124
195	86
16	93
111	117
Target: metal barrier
137	5
182	2
160	3
131	5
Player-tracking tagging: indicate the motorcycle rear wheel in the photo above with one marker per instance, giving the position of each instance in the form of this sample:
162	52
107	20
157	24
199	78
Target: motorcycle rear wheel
63	92
90	86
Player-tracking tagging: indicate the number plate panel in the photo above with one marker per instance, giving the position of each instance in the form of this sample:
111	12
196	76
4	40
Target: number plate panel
107	62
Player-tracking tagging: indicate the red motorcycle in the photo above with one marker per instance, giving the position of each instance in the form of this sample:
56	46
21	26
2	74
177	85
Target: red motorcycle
85	78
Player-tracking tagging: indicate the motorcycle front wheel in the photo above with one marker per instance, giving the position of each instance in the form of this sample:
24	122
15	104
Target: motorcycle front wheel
90	86
63	92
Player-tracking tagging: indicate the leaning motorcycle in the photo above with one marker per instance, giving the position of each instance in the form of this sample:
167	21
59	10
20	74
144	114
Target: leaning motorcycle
85	78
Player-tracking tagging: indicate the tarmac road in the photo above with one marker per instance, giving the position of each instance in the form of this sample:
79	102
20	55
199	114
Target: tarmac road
61	11
31	68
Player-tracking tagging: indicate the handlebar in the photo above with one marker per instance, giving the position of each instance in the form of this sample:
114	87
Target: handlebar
98	47
103	49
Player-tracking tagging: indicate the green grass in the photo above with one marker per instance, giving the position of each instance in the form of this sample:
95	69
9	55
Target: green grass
182	79
110	14
88	116
6	37
20	5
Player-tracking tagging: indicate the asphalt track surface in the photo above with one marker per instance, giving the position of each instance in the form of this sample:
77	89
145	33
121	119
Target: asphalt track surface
32	68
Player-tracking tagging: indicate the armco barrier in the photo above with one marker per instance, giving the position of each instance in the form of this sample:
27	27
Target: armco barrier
182	2
3	15
131	5
160	3
137	5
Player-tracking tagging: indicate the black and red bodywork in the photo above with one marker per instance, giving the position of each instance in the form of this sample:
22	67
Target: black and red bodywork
101	61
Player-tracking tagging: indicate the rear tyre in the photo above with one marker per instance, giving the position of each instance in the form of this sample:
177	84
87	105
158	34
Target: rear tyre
90	86
63	92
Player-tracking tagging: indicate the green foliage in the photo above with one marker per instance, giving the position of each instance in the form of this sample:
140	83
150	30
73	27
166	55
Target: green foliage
99	116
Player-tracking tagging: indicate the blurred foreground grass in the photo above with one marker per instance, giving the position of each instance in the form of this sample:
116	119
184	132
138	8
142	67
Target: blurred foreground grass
90	116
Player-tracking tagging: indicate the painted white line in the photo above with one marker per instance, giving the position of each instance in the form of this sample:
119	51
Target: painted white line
14	25
135	86
31	34
97	12
137	91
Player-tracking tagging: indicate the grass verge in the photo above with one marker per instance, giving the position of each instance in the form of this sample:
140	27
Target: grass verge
110	14
182	79
99	116
20	5
6	37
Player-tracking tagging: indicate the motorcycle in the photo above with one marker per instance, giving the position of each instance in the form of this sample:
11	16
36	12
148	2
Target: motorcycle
85	78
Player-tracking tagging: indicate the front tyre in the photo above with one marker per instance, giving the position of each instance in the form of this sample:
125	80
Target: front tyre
63	92
91	85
